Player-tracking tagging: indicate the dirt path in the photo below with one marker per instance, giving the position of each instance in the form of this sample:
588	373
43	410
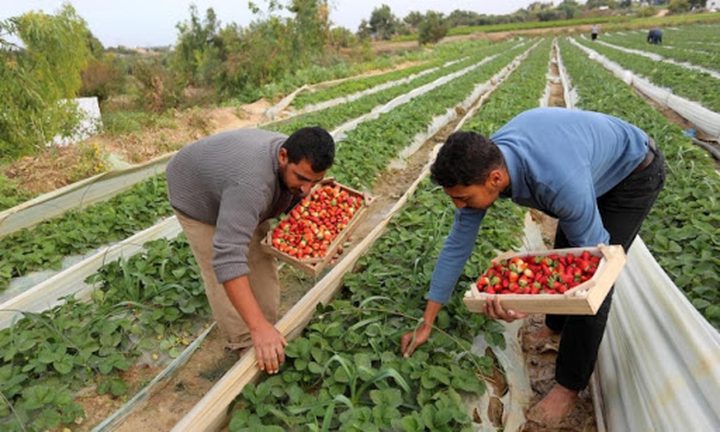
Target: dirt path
540	355
56	167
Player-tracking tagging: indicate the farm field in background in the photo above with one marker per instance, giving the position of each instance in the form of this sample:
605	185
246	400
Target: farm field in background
77	362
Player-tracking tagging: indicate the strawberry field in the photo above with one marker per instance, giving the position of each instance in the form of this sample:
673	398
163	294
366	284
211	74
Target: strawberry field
344	369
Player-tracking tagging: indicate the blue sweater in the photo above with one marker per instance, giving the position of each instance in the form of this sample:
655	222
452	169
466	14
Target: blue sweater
559	161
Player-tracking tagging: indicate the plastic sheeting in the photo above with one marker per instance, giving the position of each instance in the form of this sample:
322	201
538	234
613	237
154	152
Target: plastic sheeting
273	111
49	293
89	125
659	362
78	195
511	360
569	91
658	57
479	93
703	118
340	132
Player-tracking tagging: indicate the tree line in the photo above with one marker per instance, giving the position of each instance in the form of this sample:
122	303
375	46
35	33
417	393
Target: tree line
58	59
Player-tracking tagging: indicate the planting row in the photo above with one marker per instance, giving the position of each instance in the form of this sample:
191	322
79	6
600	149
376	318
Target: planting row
683	229
146	309
76	232
336	116
442	54
702	55
695	86
346	371
369	147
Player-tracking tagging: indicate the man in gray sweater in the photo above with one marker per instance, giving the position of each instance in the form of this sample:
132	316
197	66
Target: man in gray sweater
223	190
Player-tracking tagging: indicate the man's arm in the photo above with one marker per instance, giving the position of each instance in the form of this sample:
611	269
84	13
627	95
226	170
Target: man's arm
238	218
456	250
269	343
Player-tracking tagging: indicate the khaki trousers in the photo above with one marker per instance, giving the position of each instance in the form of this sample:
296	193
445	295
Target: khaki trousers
263	280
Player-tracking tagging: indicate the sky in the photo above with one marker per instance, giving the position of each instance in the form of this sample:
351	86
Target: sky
143	23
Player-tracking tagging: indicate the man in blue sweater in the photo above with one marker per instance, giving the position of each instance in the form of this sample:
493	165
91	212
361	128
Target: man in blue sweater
598	175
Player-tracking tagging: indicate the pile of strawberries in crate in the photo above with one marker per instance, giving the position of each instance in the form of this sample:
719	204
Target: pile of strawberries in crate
550	274
316	221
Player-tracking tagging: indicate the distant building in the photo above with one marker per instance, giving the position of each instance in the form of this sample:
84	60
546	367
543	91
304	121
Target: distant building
712	5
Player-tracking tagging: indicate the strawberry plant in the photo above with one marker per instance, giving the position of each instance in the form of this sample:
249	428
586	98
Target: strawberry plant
441	55
368	148
701	54
335	116
695	86
346	371
145	308
358	85
683	228
78	231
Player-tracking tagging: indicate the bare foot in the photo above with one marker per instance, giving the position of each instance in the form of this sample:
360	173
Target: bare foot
554	407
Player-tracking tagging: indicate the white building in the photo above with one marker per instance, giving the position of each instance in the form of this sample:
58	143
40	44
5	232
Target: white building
712	5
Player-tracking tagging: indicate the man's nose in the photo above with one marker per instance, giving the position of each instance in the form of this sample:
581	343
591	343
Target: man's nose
305	188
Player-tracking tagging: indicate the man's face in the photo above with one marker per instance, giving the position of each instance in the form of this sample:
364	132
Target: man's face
479	196
298	177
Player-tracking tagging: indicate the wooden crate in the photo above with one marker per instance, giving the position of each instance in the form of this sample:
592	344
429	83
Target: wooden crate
313	266
584	299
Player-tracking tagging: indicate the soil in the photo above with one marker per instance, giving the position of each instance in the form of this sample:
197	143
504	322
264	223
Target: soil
175	397
57	167
540	355
540	361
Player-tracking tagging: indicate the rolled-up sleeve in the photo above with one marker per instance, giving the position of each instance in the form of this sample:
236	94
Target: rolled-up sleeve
240	209
456	250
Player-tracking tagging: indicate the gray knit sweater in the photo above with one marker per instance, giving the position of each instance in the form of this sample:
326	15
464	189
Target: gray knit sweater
230	180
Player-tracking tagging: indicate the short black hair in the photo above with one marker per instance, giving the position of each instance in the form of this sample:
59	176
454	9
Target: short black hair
312	143
466	158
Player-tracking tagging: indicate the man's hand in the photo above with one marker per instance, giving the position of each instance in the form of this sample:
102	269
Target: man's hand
269	346
411	340
494	310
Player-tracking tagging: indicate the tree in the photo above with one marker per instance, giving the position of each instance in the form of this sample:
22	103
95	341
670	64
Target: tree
198	51
311	26
464	18
679	6
593	4
413	19
383	23
569	8
432	28
364	32
340	37
35	77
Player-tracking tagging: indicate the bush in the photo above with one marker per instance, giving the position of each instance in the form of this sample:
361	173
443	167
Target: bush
679	6
158	88
101	78
432	28
10	193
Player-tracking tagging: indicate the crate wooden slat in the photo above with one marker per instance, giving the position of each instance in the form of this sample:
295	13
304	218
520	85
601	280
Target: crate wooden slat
584	299
313	266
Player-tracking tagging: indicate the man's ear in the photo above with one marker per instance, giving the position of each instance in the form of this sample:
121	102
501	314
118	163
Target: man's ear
496	178
283	156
